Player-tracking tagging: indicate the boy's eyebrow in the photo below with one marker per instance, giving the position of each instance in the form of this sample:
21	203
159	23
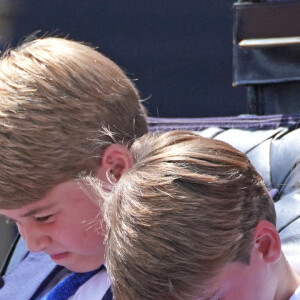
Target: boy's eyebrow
38	210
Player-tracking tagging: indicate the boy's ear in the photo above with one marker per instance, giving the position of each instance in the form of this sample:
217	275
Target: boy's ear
267	242
115	160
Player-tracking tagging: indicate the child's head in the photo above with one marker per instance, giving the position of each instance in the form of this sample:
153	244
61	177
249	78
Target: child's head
189	210
56	97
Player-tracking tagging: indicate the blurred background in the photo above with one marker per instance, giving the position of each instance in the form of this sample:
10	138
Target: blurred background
178	52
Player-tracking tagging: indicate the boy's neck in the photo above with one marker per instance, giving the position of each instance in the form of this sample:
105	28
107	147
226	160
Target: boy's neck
288	280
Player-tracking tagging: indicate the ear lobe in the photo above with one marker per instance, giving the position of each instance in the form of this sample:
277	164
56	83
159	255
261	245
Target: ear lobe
115	160
267	242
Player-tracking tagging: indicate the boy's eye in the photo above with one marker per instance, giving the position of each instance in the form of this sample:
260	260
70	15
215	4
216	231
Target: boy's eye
45	219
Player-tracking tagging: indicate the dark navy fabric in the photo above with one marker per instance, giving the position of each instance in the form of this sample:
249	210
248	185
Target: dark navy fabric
247	122
108	295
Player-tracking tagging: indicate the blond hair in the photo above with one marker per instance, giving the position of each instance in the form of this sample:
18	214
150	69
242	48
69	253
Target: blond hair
55	97
187	207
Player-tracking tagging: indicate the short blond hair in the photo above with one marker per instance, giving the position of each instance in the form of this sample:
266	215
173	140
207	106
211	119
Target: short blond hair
187	208
55	97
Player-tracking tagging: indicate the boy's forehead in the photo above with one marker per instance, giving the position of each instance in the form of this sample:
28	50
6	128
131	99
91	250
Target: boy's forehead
56	196
27	210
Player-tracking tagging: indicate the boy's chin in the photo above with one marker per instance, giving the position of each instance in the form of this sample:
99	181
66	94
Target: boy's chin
78	267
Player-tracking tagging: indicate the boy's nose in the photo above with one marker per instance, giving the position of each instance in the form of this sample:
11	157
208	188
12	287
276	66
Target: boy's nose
36	240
